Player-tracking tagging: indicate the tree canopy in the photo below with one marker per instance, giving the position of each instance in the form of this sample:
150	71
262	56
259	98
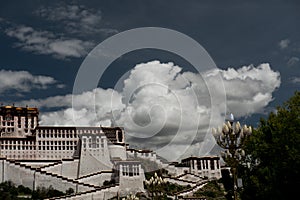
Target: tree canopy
272	167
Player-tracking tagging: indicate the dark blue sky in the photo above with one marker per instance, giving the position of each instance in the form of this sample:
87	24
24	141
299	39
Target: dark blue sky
52	38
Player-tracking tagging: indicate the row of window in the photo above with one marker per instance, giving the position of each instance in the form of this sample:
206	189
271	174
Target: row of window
11	118
17	147
72	148
21	142
19	156
18	123
57	143
92	143
8	123
12	130
9	130
78	131
34	156
54	156
57	135
130	170
203	164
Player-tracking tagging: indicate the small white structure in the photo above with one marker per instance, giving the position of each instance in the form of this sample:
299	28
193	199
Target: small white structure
206	166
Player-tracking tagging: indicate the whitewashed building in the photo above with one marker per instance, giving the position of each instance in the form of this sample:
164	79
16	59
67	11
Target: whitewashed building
82	158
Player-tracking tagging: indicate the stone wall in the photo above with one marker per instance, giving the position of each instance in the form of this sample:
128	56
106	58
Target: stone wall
103	194
23	175
117	151
136	181
69	168
90	164
98	178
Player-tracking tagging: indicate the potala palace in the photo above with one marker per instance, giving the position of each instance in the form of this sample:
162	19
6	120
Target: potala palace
83	158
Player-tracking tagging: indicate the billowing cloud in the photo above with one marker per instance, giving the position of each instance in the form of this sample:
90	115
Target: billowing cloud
165	109
47	43
23	81
249	89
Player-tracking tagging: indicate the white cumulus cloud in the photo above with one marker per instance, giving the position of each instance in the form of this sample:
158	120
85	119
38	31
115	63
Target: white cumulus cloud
165	109
249	89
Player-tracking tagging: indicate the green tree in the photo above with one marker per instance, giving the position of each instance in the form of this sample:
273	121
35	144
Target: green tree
8	191
272	169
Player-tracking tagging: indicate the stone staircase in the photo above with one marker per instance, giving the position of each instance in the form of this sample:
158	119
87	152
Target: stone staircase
191	190
52	177
99	193
51	165
180	181
93	174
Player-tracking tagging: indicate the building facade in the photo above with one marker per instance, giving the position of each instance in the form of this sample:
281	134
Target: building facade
206	166
82	158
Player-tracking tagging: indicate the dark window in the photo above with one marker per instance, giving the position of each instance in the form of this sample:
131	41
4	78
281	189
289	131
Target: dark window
212	164
199	164
193	164
120	136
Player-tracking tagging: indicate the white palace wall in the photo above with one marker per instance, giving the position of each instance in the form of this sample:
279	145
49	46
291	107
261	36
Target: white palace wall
97	179
33	179
117	151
